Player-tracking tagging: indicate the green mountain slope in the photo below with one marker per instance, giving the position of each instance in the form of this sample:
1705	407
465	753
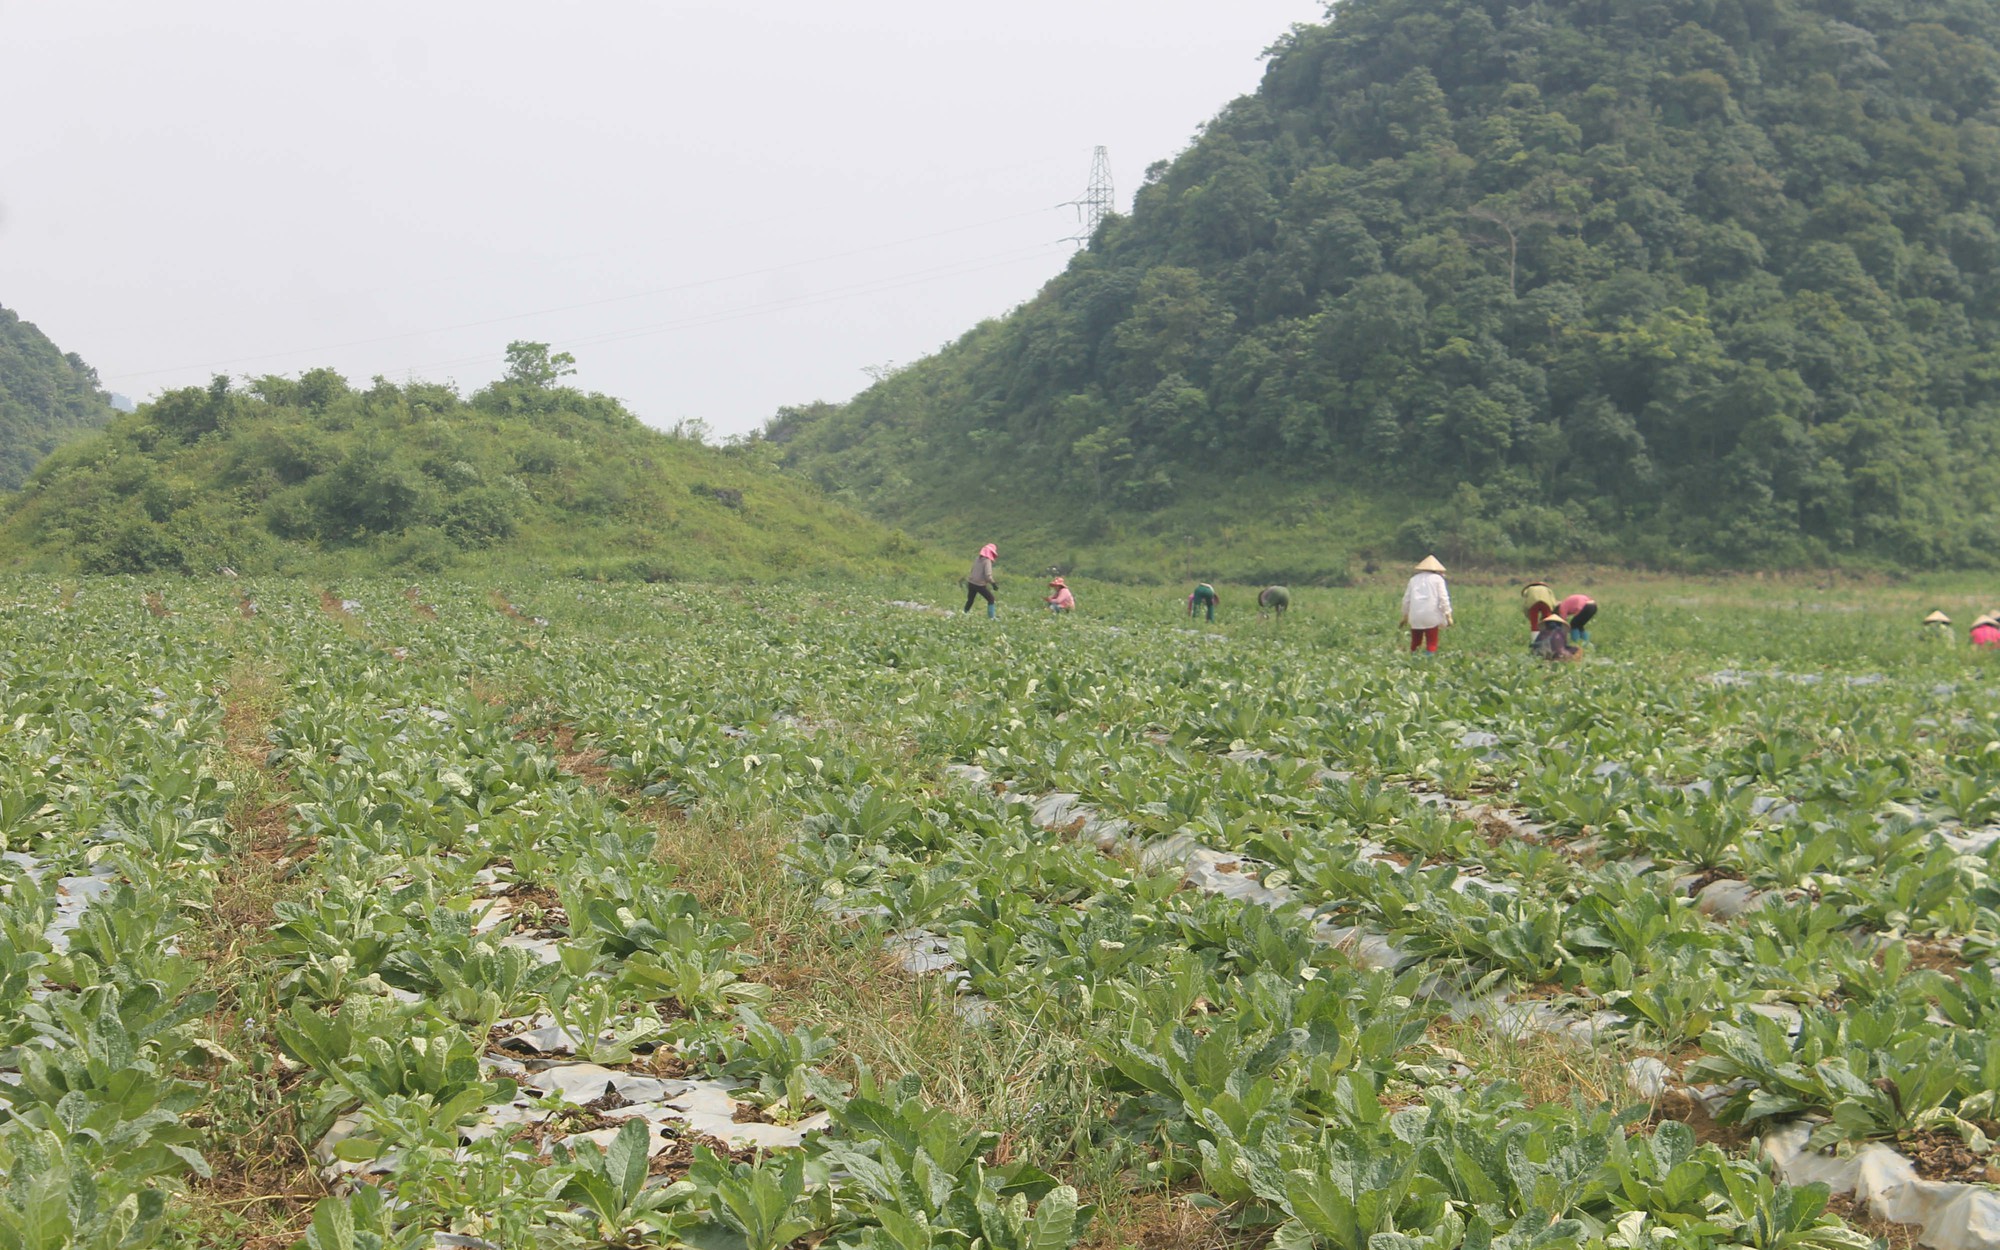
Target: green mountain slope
310	475
46	398
1668	281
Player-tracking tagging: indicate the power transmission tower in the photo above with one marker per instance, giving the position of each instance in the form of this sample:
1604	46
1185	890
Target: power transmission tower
1098	198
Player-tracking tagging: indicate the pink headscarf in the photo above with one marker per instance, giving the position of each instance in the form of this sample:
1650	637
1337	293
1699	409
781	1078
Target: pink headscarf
989	552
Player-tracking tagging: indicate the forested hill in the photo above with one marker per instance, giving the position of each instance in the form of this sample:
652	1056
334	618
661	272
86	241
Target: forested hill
1653	280
46	398
313	476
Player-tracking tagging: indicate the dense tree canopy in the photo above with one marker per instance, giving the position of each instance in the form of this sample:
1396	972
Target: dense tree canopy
311	474
1643	278
46	398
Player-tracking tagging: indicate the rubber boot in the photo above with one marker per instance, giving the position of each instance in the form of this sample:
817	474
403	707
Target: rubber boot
992	610
1579	635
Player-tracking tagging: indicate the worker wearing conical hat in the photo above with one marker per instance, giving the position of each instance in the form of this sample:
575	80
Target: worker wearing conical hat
1552	640
1537	600
1426	606
1986	631
1937	628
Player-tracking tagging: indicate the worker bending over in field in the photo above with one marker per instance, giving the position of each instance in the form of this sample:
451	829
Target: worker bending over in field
1552	640
979	582
1274	599
1537	601
1426	606
1204	596
1986	631
1060	599
1937	629
1577	610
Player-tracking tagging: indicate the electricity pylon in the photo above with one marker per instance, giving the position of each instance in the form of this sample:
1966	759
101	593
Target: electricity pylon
1098	198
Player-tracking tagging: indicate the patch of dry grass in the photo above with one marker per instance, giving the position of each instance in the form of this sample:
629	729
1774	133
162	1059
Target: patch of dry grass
265	1183
1548	1067
1154	1220
1031	1081
1890	1235
835	975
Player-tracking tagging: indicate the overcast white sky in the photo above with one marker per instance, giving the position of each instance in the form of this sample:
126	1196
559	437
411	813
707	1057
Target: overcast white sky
719	206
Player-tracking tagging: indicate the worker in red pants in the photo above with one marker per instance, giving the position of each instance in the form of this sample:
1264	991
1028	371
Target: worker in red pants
1426	606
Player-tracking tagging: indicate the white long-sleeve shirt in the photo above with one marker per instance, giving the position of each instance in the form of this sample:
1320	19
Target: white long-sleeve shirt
1426	601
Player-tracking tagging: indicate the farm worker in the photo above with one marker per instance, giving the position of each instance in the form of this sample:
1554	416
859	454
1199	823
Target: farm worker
1937	629
1275	599
1552	640
1426	605
1062	600
1986	631
1204	596
1537	600
979	582
1577	610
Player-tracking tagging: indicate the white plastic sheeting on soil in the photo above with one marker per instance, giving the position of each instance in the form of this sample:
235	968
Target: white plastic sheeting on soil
1954	1215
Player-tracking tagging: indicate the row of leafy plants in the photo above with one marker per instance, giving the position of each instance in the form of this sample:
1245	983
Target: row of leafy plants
110	794
1177	989
419	796
1231	1055
1864	869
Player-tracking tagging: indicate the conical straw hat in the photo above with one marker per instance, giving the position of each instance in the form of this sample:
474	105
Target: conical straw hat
1937	618
1429	564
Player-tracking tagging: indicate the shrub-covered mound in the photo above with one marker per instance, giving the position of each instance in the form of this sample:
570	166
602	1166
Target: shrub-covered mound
310	474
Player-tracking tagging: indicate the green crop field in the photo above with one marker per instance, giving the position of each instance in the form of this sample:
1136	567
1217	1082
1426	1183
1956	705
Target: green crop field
571	915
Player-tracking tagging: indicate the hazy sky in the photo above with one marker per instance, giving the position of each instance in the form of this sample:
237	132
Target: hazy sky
719	207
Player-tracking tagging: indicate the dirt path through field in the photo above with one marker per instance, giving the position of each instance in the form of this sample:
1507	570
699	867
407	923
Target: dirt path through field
264	1185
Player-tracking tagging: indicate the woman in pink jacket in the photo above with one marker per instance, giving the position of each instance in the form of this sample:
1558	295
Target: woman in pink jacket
1060	599
1577	610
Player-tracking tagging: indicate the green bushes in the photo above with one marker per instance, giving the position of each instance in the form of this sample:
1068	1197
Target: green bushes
132	543
294	472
